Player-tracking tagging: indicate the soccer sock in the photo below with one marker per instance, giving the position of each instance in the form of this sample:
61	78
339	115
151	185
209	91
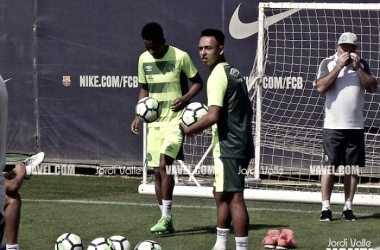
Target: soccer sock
347	206
326	205
167	208
221	238
161	207
12	247
241	243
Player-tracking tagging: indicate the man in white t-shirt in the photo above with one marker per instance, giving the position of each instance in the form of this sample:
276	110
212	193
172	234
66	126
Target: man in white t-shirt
343	78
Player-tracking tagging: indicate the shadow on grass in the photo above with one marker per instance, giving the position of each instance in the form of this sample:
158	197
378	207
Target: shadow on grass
193	231
266	226
364	217
212	229
374	216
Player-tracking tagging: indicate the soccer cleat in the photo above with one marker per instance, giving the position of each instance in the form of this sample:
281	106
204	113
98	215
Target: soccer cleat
348	215
32	162
326	215
270	241
163	226
286	240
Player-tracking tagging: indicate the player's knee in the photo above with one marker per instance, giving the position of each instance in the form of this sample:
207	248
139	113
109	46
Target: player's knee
14	199
157	173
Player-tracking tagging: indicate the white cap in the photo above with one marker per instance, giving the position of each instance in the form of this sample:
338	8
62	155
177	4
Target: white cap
348	38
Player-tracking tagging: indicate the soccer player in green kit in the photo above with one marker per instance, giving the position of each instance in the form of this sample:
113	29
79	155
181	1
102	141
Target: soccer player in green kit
229	115
159	73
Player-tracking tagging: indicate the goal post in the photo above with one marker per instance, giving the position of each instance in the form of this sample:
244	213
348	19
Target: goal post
289	111
293	38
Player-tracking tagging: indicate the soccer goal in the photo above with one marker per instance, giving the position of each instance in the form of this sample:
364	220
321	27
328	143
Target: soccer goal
293	39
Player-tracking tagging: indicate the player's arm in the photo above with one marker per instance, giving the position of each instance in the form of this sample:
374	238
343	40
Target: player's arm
326	82
14	178
207	121
144	92
196	87
216	89
368	82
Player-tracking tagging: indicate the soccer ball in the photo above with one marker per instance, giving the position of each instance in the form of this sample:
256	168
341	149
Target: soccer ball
148	245
148	109
193	113
101	243
120	242
68	241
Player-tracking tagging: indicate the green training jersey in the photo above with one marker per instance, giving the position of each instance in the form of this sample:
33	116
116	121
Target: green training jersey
232	134
163	77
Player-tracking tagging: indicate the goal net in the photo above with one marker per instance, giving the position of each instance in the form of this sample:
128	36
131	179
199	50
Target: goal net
293	39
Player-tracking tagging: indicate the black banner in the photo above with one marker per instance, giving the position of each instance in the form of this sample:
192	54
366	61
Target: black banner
73	66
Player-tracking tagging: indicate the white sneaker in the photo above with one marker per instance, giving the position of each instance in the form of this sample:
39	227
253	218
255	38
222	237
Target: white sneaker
32	162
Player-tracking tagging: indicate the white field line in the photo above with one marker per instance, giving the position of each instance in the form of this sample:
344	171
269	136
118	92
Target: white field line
179	206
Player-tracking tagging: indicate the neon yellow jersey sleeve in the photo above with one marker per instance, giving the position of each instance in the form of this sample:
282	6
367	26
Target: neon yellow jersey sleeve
217	86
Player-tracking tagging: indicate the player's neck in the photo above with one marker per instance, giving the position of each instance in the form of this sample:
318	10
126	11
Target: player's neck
221	60
165	51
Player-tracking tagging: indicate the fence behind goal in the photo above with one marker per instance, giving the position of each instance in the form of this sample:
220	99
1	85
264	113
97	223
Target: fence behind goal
293	39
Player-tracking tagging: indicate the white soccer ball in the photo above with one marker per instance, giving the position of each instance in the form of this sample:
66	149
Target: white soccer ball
68	241
148	245
101	243
148	109
120	242
193	113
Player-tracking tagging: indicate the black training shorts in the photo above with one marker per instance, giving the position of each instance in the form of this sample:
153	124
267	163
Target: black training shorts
343	147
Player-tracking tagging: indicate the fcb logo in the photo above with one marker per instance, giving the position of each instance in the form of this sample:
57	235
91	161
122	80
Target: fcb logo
66	80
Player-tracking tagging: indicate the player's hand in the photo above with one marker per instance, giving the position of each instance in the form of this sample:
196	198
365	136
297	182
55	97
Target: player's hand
356	58
179	104
186	130
20	169
343	60
135	126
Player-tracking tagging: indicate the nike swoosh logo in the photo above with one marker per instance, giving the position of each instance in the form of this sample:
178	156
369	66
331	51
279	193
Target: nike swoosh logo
240	30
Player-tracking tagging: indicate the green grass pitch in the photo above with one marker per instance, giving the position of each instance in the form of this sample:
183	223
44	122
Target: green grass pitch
92	207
